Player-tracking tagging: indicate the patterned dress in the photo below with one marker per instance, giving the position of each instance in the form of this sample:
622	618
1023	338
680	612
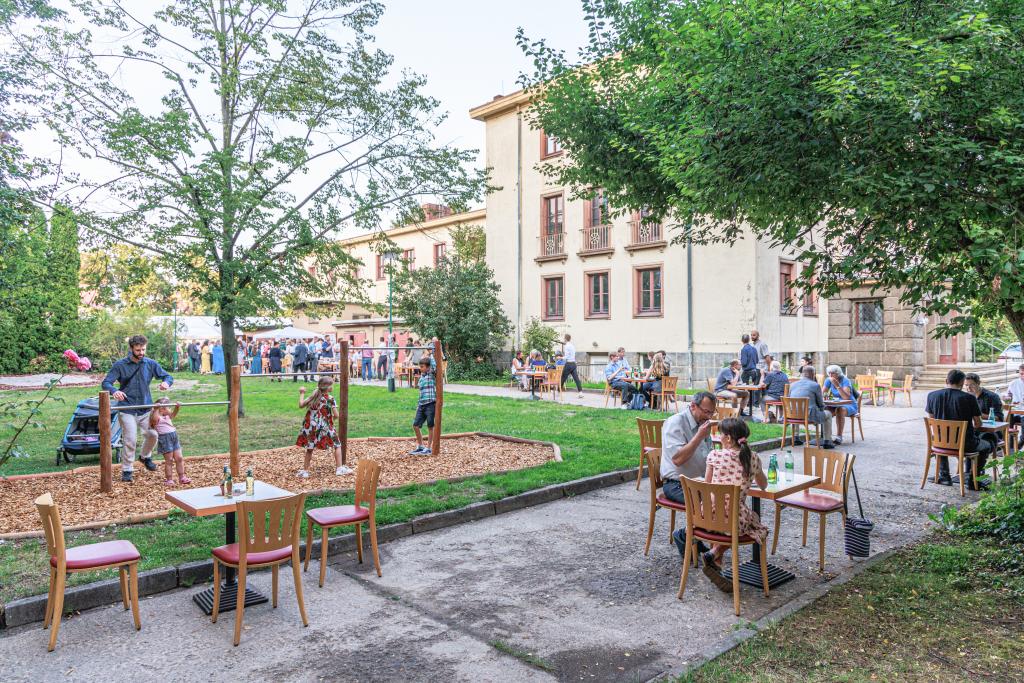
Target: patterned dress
318	427
729	470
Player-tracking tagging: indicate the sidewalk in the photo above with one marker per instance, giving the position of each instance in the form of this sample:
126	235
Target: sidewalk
564	587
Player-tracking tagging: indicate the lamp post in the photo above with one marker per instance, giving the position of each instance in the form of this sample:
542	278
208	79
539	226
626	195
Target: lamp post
174	340
389	258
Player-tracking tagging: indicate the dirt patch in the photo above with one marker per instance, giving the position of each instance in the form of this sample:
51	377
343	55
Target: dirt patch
77	491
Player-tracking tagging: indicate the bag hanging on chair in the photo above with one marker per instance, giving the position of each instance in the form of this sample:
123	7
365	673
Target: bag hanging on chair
858	529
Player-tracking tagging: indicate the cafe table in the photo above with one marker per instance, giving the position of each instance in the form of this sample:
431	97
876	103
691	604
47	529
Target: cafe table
751	389
750	572
996	427
534	376
206	501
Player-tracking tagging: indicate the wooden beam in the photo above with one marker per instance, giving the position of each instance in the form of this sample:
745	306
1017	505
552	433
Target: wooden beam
435	436
236	392
343	402
106	481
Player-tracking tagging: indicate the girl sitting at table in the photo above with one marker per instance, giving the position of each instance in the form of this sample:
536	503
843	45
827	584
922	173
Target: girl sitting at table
838	387
318	428
652	378
735	463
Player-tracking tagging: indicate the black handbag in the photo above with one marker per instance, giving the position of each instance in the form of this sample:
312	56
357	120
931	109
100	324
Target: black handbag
857	529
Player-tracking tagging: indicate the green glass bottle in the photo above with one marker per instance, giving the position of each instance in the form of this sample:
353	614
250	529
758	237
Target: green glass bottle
773	470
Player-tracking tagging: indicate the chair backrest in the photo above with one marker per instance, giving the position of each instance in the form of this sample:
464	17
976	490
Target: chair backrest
949	434
828	465
650	433
555	375
269	524
49	513
654	470
709	506
795	408
908	381
367	478
724	411
785	389
669	384
865	382
885	375
821	380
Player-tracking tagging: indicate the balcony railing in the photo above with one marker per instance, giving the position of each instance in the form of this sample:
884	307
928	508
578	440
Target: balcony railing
596	239
552	245
645	232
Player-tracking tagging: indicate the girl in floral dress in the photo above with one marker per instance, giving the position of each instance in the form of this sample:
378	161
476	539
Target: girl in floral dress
318	428
735	464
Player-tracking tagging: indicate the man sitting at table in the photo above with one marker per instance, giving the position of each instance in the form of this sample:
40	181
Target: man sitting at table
952	403
774	385
725	385
615	373
989	403
1015	395
807	387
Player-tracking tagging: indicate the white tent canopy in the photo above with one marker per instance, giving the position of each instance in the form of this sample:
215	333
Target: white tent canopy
193	326
288	333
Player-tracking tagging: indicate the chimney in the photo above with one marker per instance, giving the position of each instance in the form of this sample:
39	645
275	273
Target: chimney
435	211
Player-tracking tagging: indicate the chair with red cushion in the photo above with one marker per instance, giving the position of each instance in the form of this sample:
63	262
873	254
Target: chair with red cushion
712	515
83	558
834	469
268	536
363	512
948	438
658	500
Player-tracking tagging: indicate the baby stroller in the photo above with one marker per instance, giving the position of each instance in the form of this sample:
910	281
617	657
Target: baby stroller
82	435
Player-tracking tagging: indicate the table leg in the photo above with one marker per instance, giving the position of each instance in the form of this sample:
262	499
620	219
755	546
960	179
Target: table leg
750	572
533	389
229	590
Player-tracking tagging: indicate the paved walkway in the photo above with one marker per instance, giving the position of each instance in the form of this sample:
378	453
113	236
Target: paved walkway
563	585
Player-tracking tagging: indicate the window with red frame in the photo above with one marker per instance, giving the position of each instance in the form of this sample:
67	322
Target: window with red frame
439	251
811	300
380	267
787	295
554	298
597	295
648	291
550	146
409	257
597	210
554	214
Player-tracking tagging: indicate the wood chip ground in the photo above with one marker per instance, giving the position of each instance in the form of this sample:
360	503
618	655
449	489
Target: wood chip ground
77	492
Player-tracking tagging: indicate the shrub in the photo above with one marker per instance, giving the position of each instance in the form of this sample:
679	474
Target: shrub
999	513
539	336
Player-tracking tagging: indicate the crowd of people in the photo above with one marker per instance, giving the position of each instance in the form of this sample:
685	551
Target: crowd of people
564	359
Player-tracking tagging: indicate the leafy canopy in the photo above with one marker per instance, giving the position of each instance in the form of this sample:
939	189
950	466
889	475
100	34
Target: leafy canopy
880	138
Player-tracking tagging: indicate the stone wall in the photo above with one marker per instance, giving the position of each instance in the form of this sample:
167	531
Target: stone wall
900	347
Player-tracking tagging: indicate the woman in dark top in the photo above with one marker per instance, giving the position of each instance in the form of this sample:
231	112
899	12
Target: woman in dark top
652	380
274	356
774	383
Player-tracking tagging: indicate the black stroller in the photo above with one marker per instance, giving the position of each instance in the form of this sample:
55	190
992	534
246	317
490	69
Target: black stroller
82	436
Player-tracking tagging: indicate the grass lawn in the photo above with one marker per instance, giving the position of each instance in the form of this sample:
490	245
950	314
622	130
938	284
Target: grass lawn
592	441
945	610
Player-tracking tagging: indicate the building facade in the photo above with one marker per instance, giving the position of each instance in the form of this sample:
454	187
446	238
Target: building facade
623	281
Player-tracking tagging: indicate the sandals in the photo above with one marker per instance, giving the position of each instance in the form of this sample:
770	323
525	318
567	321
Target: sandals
184	480
168	482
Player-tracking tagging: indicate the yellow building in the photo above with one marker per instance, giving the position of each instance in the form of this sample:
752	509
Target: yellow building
622	281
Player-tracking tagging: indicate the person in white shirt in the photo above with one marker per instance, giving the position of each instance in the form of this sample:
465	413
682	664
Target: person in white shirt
569	354
622	359
761	346
1015	394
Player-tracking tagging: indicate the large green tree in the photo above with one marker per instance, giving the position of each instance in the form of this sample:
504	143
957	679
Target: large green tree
883	139
235	140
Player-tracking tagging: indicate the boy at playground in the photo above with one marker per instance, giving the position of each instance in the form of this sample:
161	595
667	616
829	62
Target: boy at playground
425	406
318	427
167	443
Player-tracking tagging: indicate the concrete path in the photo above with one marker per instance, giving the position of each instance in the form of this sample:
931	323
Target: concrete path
556	592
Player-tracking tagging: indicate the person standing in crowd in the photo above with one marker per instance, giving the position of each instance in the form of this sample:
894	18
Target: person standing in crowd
205	354
299	360
748	365
312	357
193	356
382	361
952	403
275	359
327	349
240	353
218	358
570	370
761	346
255	359
366	356
133	373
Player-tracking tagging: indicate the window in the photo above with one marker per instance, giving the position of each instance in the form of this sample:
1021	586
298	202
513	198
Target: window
869	317
811	301
380	267
553	218
597	210
787	296
648	291
549	145
597	295
439	251
409	257
554	298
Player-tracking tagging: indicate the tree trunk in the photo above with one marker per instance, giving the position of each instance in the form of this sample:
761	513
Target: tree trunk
230	344
1016	319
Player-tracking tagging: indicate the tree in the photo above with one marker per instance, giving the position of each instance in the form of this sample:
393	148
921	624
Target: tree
539	337
884	140
457	302
124	276
469	242
262	129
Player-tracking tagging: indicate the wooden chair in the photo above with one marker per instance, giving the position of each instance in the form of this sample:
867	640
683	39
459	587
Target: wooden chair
722	411
650	437
908	385
948	438
776	404
868	386
553	382
83	558
658	500
856	421
269	539
821	380
711	386
364	511
713	515
614	394
669	385
884	379
829	466
796	412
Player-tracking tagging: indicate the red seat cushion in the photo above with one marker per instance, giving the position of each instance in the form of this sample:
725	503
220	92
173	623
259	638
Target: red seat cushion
793	421
339	514
719	538
99	555
229	554
666	503
950	451
807	500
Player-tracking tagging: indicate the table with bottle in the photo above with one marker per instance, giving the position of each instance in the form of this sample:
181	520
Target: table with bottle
991	425
223	499
780	485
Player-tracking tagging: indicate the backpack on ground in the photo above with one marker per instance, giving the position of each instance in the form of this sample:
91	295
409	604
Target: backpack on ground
637	402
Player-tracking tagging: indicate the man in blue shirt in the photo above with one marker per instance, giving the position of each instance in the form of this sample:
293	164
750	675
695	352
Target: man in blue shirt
312	357
133	373
615	373
748	363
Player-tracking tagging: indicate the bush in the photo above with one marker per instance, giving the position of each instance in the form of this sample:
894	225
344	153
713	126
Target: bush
540	337
107	338
998	514
473	370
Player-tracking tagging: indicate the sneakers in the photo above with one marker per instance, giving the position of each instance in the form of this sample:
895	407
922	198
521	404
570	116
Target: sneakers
425	451
343	470
148	462
302	474
417	451
126	476
579	395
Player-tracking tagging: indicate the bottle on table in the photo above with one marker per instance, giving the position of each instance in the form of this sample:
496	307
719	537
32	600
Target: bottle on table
224	480
250	482
229	484
789	465
991	414
773	470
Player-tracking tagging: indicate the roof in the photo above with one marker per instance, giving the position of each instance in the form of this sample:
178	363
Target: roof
367	321
499	105
442	222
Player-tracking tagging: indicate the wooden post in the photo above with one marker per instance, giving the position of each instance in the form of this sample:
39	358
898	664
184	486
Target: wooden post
106	483
343	401
435	436
235	398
